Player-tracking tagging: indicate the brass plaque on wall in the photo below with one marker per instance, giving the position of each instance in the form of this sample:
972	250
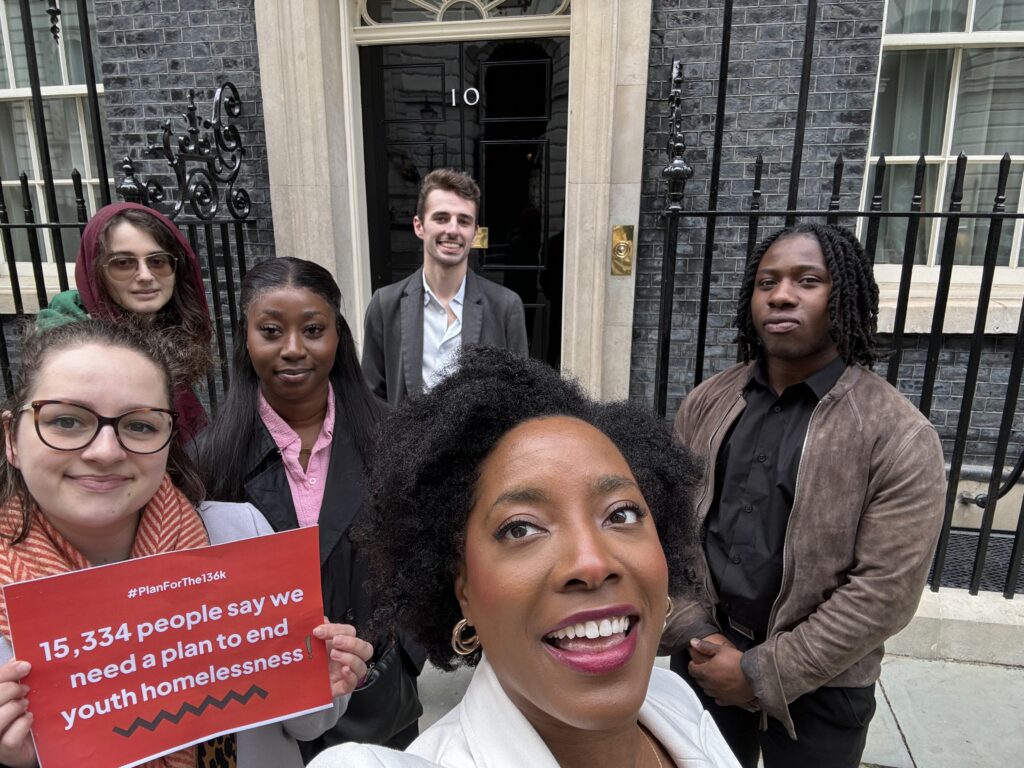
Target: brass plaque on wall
622	250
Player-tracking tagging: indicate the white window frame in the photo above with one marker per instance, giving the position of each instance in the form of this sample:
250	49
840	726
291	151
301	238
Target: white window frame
1008	282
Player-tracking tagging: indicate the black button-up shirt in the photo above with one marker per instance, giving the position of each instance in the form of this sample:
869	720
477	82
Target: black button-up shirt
755	479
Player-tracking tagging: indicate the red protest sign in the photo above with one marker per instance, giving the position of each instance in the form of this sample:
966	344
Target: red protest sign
138	659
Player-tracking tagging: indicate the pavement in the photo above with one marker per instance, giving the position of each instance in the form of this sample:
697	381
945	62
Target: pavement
947	714
931	713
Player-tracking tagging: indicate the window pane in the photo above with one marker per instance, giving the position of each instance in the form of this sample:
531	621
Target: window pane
913	89
990	106
67	211
897	195
70	236
71	37
15	154
83	104
5	81
47	51
1002	15
906	16
459	10
65	137
979	195
16	214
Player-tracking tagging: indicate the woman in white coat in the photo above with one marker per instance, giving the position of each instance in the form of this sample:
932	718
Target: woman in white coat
520	527
91	474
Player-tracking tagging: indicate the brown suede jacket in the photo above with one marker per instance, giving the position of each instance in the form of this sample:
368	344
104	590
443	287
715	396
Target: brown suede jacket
866	515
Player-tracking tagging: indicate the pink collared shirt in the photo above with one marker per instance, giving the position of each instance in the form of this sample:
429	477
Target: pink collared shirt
307	486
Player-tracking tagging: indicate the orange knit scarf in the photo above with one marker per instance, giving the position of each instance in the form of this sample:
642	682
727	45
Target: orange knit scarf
168	523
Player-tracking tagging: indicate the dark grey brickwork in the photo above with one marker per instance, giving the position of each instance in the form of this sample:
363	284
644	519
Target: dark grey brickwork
762	93
152	52
989	396
764	77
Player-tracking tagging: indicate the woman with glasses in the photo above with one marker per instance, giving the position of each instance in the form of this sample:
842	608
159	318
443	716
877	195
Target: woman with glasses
134	262
91	475
291	438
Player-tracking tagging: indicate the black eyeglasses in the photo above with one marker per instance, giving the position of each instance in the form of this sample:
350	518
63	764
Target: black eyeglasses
66	426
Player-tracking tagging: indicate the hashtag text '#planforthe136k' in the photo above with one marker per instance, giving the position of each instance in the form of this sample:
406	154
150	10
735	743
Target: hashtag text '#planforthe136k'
184	581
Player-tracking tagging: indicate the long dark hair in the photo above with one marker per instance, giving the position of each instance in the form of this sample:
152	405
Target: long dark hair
852	303
37	347
225	449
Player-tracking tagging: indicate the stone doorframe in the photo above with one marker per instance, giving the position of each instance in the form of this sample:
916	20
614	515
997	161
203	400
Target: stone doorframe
309	72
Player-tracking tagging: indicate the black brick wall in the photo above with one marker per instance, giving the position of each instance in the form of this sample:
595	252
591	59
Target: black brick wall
762	95
152	52
989	395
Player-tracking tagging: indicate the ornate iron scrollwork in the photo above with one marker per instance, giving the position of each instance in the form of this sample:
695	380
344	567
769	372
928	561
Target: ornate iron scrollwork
213	147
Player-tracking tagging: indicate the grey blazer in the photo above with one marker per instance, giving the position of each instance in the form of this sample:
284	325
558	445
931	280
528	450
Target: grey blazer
273	745
393	345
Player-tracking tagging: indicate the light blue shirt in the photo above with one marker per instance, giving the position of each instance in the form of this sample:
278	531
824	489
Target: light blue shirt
441	341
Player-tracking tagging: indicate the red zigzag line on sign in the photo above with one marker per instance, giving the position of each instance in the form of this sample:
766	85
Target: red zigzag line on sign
209	701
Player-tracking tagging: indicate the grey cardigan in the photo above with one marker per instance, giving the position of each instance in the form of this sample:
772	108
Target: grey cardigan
273	745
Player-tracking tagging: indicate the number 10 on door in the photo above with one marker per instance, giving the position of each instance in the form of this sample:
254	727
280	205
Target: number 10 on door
470	97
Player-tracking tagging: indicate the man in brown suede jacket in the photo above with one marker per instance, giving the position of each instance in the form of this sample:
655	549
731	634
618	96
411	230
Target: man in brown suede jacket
821	505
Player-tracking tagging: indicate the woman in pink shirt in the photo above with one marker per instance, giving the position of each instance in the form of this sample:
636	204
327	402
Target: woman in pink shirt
291	439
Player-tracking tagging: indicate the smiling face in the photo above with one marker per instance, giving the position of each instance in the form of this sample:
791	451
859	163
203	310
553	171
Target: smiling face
564	577
292	338
143	292
446	229
789	305
96	492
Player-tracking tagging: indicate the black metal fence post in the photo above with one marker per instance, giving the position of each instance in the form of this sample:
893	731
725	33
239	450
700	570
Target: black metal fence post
675	173
945	280
7	241
871	240
801	110
95	117
899	323
967	403
713	184
34	252
43	143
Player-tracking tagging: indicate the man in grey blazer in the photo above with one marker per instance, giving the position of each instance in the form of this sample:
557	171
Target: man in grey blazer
414	328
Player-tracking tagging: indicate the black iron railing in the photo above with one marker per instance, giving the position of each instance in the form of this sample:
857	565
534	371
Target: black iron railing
975	543
996	487
205	161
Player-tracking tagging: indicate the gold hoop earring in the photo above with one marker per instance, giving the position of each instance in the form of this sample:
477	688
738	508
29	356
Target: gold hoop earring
671	608
461	644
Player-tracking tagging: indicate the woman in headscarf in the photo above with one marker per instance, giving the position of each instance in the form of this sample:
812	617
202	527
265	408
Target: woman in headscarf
133	262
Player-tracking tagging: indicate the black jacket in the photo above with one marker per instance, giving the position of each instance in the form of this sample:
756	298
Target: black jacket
342	573
372	716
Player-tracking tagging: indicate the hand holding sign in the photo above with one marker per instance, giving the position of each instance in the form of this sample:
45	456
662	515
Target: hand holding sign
16	748
348	656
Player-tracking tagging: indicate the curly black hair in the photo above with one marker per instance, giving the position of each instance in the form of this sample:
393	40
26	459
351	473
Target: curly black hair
424	472
852	302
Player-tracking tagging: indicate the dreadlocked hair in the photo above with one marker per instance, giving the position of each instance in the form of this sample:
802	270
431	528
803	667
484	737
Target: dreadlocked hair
852	301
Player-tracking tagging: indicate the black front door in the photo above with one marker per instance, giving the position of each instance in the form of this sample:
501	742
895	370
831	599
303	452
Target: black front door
497	110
